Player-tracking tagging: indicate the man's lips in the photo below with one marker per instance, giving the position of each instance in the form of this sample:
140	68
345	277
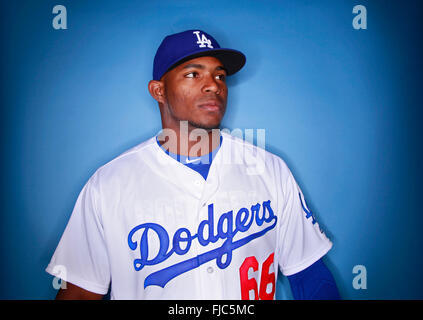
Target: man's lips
211	105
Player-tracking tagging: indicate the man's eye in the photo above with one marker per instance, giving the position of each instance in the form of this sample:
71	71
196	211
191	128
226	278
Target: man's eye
221	77
191	75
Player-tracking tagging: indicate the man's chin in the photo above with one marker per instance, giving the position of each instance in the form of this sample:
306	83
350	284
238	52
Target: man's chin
204	126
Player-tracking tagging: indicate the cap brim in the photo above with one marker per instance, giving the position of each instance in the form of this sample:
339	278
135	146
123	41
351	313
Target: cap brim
232	60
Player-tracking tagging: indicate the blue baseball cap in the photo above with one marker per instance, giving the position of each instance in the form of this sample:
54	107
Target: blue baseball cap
178	48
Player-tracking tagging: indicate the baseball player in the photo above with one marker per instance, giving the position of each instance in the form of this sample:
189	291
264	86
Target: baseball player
193	212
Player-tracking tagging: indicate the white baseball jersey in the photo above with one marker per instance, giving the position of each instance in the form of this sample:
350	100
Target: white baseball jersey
153	228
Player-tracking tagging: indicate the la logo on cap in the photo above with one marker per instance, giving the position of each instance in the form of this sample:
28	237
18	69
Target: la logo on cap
203	41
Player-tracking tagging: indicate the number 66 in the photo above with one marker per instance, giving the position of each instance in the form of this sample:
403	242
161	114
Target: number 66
251	284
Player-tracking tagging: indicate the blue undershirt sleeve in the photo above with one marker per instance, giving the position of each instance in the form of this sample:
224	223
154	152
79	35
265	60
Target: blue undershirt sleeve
314	283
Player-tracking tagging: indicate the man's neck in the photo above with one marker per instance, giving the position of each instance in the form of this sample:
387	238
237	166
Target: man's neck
189	142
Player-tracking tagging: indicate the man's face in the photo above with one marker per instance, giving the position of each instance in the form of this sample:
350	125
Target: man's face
196	91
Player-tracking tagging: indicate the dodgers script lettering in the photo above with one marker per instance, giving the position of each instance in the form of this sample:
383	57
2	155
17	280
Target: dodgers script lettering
261	214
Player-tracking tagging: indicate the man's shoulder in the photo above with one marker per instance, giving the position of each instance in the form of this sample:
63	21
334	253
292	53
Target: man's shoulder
249	149
254	158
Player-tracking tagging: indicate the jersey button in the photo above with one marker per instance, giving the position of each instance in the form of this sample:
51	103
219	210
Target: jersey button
197	183
210	270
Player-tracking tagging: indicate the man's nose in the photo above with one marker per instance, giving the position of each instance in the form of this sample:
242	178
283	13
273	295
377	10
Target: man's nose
211	84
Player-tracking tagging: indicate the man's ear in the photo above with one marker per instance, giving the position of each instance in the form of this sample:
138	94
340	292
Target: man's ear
156	89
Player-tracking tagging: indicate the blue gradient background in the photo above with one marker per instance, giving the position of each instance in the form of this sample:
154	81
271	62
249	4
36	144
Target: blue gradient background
341	106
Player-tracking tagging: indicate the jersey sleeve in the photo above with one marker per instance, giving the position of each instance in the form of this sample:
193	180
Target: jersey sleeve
302	242
81	255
